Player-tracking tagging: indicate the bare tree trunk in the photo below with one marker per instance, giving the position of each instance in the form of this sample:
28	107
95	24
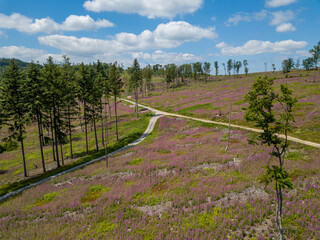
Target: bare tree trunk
52	138
40	140
109	108
61	150
115	110
55	133
70	134
102	122
95	133
23	156
85	126
137	108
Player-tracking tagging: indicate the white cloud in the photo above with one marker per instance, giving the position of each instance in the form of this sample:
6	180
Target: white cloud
48	25
170	35
304	53
20	52
3	35
246	17
162	57
254	47
281	20
278	3
285	27
281	17
148	8
78	23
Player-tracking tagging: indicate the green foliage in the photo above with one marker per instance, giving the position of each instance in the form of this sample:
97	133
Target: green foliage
262	99
135	161
94	193
8	146
45	199
106	226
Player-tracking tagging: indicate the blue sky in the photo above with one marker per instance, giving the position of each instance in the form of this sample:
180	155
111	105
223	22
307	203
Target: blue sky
158	31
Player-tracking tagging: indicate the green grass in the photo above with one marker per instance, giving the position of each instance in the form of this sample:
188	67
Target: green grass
136	127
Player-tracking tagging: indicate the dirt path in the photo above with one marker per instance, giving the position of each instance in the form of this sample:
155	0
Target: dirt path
297	140
149	129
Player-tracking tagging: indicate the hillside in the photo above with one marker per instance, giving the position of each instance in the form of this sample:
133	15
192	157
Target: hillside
212	99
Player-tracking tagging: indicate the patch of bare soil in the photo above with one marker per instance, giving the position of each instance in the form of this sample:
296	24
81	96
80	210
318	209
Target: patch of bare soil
155	210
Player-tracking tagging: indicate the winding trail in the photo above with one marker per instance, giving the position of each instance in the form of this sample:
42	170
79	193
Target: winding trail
293	139
149	129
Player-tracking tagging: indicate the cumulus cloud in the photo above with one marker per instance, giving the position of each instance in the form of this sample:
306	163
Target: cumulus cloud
48	25
278	3
169	35
246	17
281	20
147	8
254	47
166	57
20	52
281	17
285	27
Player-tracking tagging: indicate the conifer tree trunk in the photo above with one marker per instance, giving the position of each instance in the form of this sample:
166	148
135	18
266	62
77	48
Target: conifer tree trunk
102	122
52	137
137	108
95	132
55	133
85	126
23	156
115	111
61	150
40	140
109	107
70	134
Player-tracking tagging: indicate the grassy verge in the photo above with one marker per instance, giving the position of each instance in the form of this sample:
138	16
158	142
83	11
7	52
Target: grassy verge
133	130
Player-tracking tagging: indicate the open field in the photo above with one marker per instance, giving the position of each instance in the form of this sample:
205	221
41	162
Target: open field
11	163
178	184
211	100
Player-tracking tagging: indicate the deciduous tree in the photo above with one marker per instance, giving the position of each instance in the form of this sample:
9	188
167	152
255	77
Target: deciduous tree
262	99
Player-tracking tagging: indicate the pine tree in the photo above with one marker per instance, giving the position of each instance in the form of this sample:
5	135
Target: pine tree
135	81
13	106
115	83
35	99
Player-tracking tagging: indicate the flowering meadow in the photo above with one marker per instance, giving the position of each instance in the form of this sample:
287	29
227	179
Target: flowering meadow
211	100
177	184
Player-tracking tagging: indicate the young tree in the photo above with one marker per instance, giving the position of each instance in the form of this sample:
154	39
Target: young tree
115	83
245	64
273	67
13	106
171	74
287	65
135	81
35	100
308	63
315	54
216	66
197	69
229	66
206	69
298	63
262	99
238	65
147	76
224	67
